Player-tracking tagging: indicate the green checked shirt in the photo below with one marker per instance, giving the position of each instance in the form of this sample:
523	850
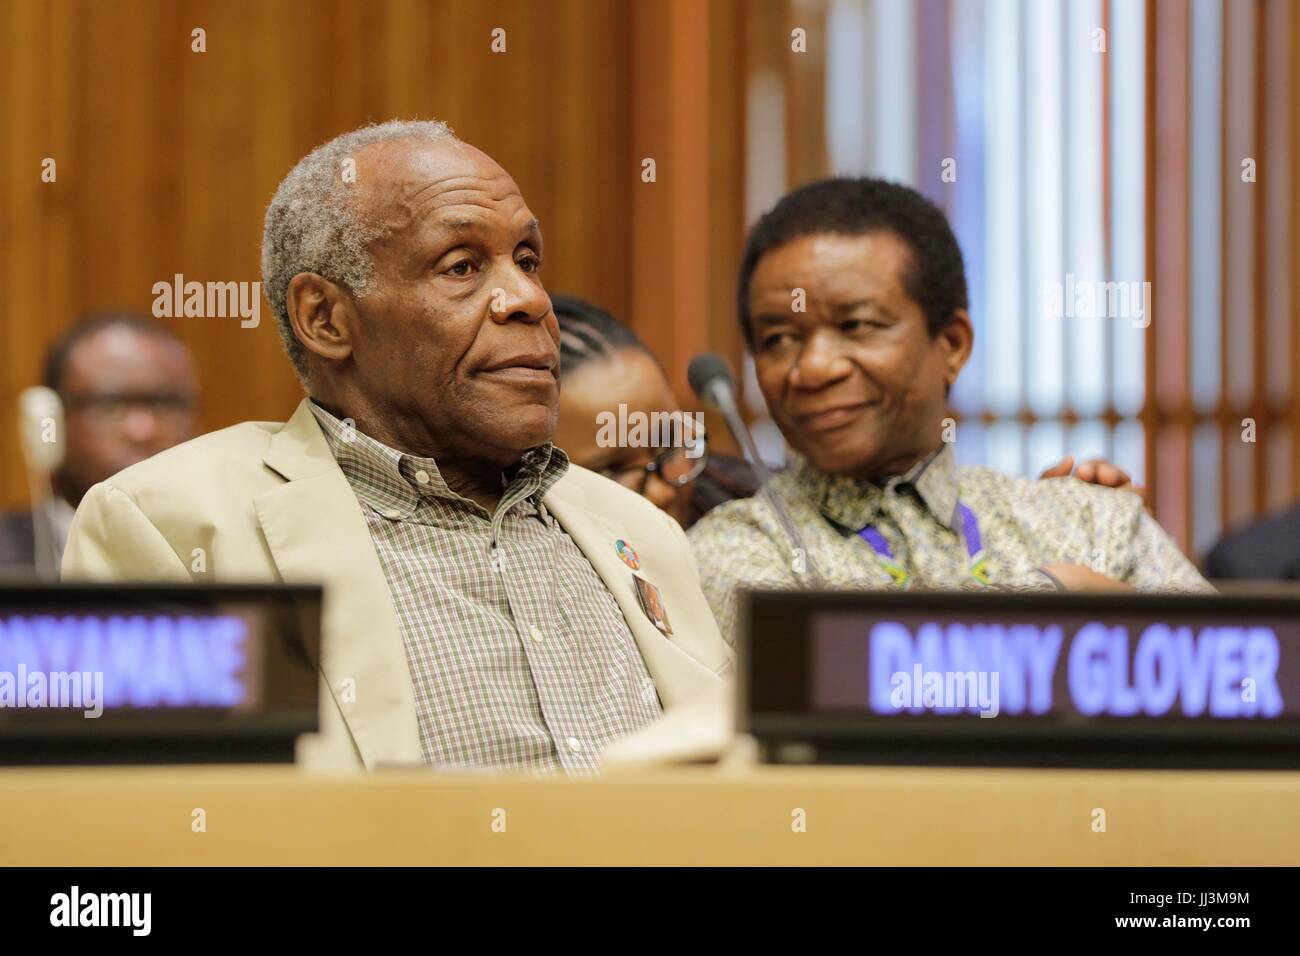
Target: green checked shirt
1023	523
519	655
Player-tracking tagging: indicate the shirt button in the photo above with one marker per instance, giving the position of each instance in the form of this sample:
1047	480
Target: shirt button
575	744
534	633
422	477
393	513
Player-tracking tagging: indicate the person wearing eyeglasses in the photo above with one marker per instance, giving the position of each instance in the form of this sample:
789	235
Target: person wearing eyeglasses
604	366
129	390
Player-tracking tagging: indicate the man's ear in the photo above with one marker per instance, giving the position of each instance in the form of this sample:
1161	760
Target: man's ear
322	314
957	338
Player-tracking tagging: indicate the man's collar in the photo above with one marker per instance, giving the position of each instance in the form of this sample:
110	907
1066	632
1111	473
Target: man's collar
935	481
394	482
854	502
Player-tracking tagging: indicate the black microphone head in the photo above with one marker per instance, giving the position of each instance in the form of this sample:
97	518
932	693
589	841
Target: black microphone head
705	369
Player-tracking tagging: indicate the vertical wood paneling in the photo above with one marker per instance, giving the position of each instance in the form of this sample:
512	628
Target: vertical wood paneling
22	201
689	182
651	202
1168	183
686	226
1292	260
1149	413
805	78
1244	376
1266	448
727	72
167	158
1231	305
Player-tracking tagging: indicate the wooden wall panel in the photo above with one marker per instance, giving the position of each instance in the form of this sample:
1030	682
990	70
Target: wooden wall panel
1291	261
1168	431
807	155
167	158
688	225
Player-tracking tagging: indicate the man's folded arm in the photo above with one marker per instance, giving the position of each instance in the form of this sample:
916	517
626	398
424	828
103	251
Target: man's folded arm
111	539
1158	563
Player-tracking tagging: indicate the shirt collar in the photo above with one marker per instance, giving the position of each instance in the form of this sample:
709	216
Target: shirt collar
855	503
394	482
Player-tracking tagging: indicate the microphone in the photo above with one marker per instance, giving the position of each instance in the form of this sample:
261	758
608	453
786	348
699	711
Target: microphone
710	378
40	409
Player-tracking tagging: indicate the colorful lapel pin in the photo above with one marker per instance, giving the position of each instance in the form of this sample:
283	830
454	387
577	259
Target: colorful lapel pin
627	554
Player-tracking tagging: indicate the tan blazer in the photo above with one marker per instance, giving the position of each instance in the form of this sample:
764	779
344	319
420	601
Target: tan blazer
266	501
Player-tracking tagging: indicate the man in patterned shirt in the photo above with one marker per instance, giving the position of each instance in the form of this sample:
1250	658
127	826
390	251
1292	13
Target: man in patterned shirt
853	303
487	605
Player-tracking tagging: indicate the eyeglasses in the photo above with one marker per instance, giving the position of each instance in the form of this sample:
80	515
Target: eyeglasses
167	407
676	467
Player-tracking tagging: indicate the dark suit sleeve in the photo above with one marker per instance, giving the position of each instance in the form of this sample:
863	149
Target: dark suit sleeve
1266	551
17	541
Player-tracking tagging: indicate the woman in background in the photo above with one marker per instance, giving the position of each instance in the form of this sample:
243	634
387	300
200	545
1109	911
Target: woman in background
603	365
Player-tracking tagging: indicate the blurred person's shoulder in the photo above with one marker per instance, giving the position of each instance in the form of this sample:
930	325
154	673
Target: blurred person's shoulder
227	463
1265	550
17	539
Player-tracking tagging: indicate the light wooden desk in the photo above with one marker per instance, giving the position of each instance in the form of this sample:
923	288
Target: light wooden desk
126	816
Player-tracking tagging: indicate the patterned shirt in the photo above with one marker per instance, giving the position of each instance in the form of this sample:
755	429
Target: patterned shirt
1023	524
519	656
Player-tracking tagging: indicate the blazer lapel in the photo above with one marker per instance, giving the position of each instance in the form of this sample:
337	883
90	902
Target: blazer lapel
677	673
317	532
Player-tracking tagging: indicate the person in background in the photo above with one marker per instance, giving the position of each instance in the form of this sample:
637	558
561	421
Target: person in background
1267	550
129	390
858	383
605	365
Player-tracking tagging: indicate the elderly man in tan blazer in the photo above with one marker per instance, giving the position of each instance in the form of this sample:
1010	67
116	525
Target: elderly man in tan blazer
487	604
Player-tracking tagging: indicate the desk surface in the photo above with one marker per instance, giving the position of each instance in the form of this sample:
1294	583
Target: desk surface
890	816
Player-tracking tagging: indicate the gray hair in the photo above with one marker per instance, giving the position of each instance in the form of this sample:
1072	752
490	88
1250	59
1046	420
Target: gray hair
312	224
